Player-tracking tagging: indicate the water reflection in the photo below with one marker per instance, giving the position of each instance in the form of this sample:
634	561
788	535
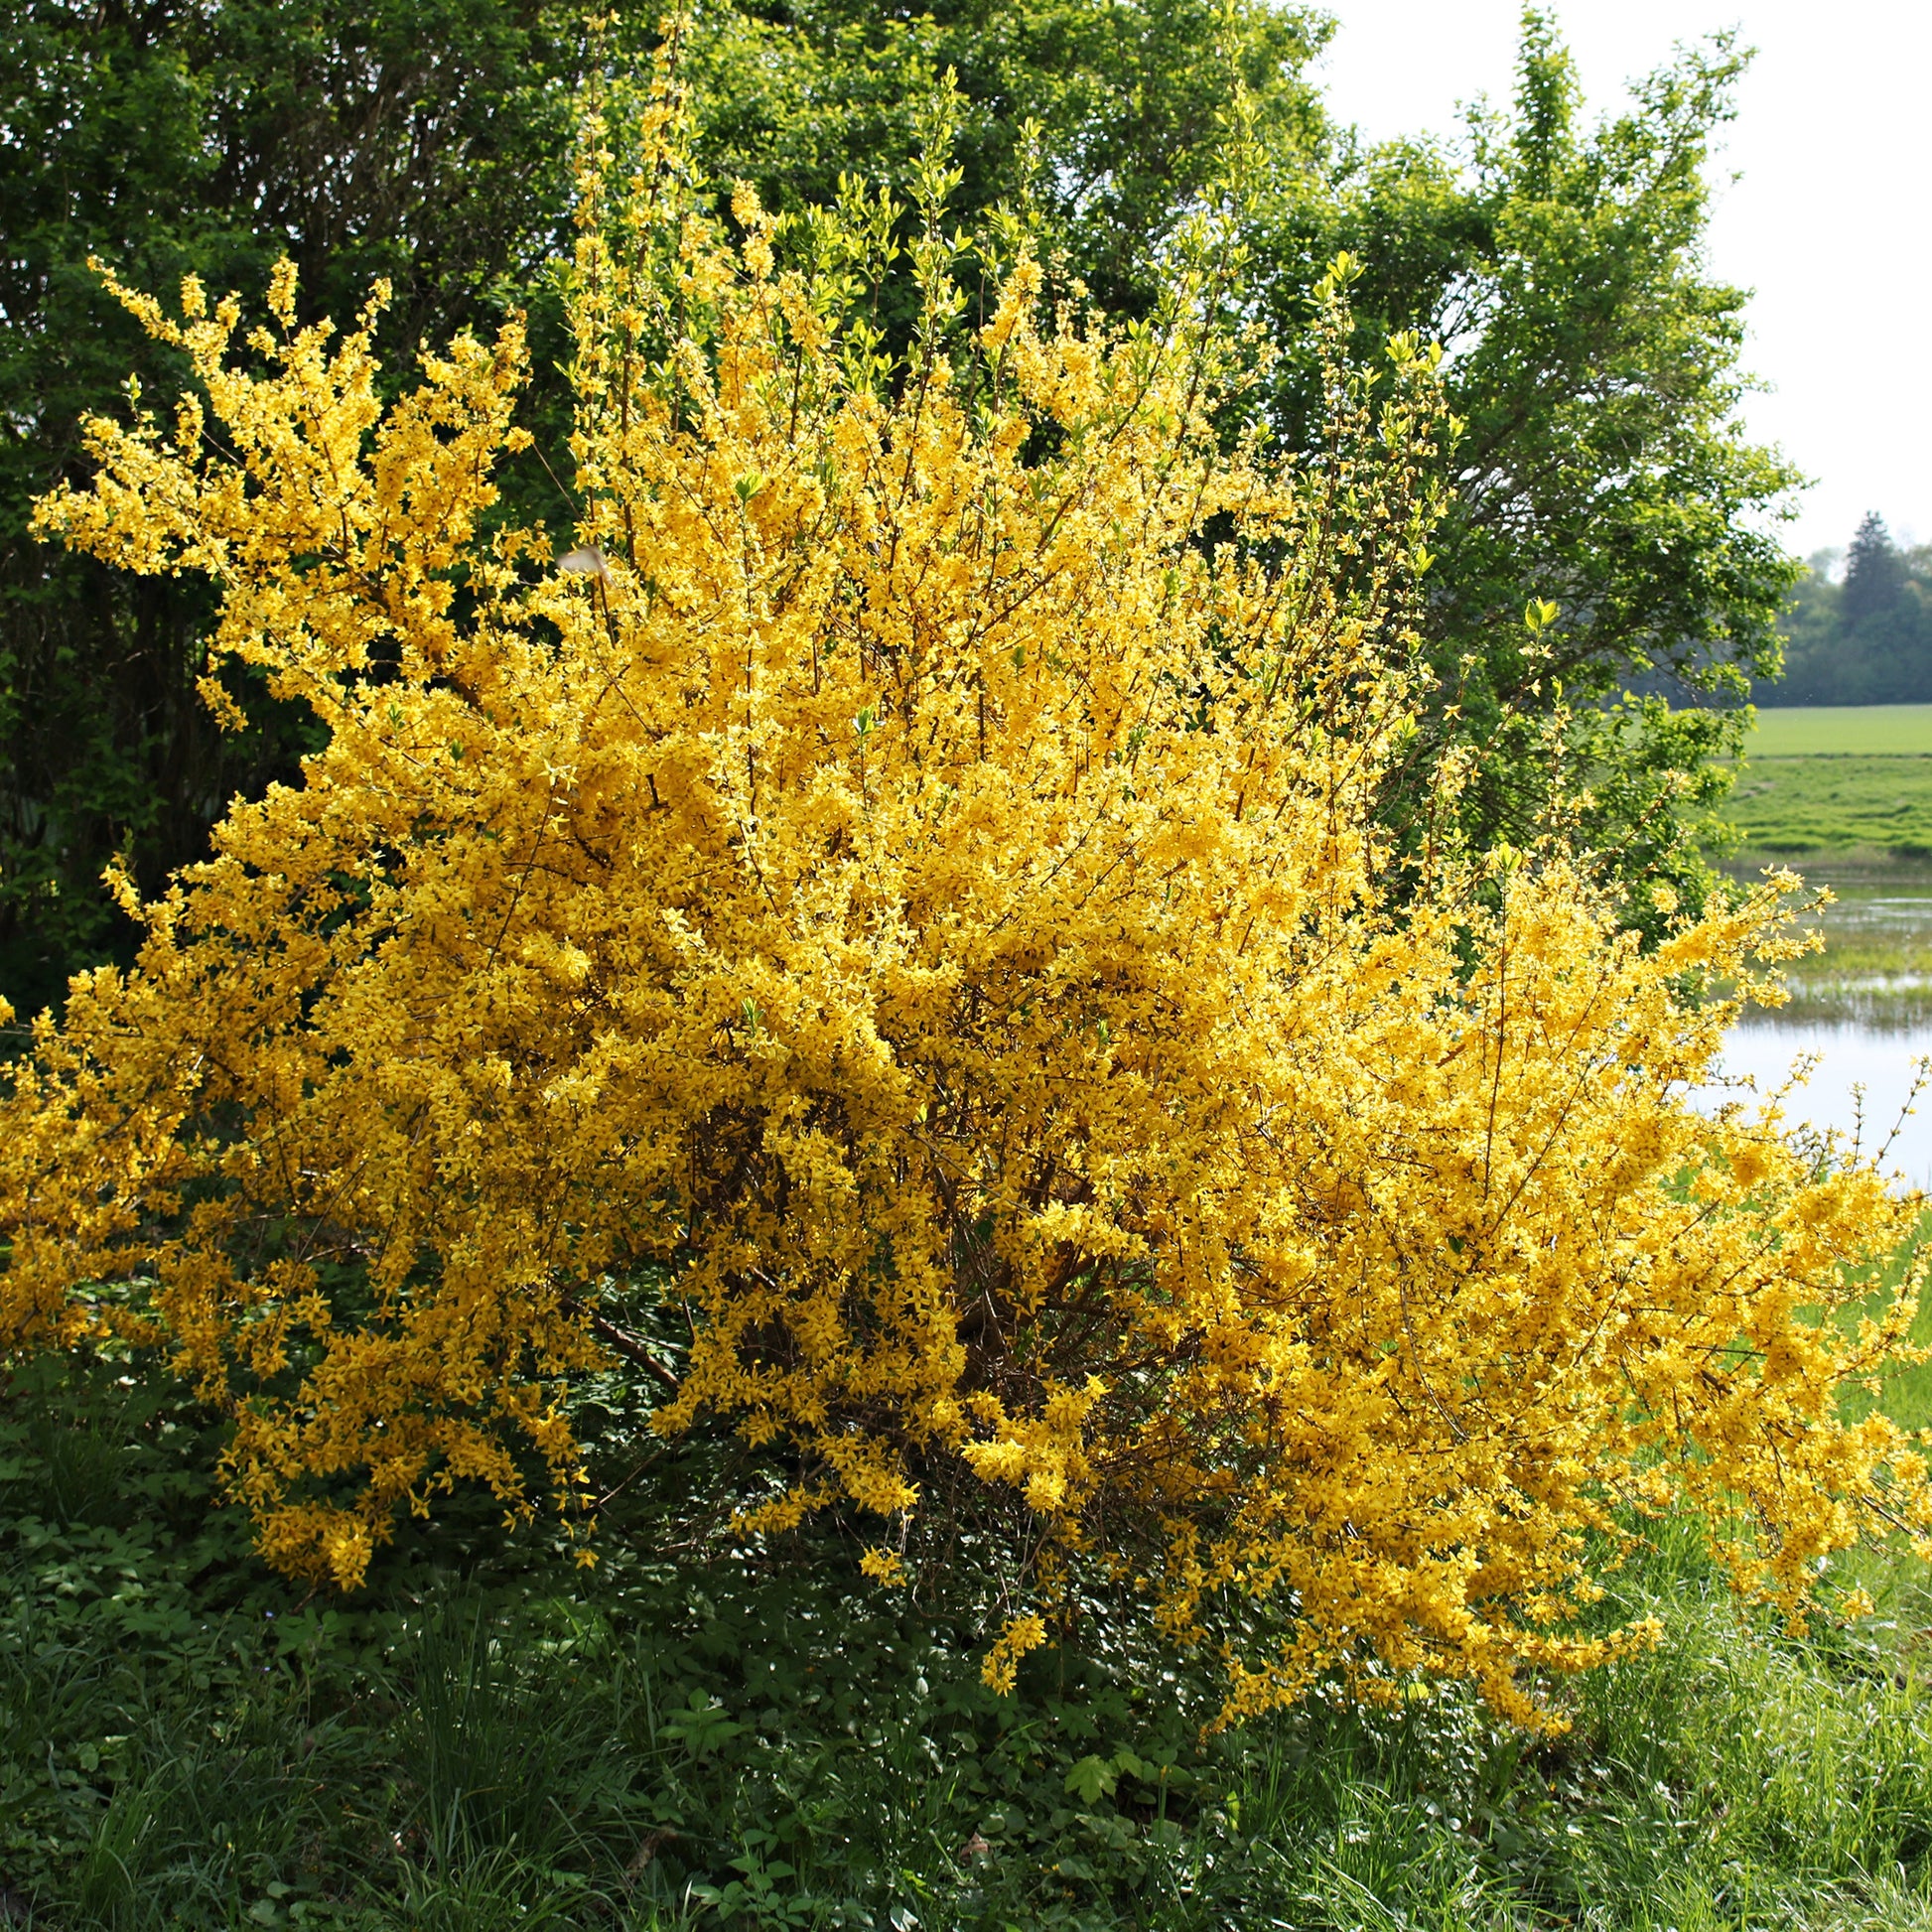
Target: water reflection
1864	1009
1851	1054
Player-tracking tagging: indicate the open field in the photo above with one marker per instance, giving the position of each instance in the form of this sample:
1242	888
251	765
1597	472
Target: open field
1837	731
1847	788
1834	803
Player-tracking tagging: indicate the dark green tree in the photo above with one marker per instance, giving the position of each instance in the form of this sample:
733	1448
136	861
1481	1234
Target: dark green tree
1866	640
1601	464
1874	573
418	139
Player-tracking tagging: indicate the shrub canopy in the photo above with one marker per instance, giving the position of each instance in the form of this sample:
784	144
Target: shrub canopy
907	879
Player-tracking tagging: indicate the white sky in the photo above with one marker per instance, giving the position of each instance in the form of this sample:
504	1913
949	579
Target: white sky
1825	223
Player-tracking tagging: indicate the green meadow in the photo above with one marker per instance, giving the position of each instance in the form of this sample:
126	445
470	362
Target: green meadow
1843	731
1837	803
1838	780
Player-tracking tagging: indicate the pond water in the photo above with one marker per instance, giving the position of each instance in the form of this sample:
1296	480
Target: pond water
1863	1012
1861	1083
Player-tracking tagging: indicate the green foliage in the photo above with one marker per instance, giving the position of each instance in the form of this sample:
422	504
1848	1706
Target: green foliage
1593	365
422	142
1109	122
1866	639
1602	466
697	1736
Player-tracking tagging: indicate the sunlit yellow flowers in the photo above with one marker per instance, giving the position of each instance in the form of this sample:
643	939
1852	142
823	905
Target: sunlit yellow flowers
911	875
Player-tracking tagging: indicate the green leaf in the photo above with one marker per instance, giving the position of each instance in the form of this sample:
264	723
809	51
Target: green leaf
1093	1778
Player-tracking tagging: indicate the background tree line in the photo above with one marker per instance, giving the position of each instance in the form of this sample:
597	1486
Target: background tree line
1862	634
1591	365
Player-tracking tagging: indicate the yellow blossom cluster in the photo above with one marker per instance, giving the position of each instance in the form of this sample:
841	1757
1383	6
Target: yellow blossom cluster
908	873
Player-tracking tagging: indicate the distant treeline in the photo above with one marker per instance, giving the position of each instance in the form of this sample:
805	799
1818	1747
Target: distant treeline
1864	638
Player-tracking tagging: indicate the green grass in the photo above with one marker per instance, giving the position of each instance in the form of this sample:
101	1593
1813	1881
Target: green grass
1906	1393
1835	804
1849	787
489	1738
1831	731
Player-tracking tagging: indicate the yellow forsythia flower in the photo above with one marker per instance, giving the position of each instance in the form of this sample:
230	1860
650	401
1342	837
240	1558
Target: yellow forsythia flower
914	872
1021	1635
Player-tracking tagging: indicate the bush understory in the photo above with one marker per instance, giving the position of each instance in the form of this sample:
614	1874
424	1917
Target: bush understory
489	1735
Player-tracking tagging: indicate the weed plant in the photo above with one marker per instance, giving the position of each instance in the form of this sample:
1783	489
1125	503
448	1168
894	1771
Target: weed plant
489	1736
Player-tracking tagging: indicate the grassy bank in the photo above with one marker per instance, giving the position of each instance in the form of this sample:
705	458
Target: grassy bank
1844	797
1847	787
489	1737
1836	804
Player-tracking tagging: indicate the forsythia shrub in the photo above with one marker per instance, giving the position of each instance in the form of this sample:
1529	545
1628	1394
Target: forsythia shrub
910	877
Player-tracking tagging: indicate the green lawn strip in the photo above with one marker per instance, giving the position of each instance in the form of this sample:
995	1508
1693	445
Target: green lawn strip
1827	730
489	1737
